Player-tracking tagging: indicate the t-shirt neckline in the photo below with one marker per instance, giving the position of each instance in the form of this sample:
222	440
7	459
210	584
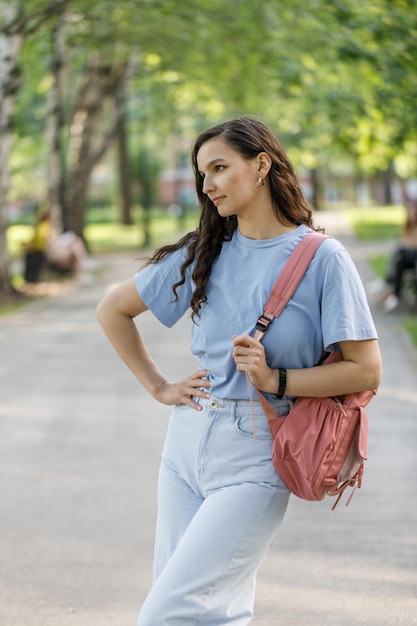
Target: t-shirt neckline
266	243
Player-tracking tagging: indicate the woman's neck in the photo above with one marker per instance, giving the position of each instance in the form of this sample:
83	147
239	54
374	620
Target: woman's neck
263	229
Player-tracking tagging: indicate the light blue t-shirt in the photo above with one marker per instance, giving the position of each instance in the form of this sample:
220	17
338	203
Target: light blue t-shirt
328	306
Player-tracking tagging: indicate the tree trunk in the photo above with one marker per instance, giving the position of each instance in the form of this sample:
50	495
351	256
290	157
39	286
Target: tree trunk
55	163
11	41
82	153
386	179
16	26
123	161
77	192
316	189
88	143
146	226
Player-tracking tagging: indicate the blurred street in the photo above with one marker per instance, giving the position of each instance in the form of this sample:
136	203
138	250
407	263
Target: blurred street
80	443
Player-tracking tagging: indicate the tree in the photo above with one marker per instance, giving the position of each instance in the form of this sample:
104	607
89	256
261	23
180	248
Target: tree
91	131
335	79
11	40
56	122
17	24
88	143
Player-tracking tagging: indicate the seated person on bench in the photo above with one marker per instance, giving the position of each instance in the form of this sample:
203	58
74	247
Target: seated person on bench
403	258
61	252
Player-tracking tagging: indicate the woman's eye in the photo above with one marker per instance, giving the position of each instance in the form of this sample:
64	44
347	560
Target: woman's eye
219	168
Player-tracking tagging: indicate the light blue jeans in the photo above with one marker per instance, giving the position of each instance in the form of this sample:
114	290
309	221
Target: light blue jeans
220	503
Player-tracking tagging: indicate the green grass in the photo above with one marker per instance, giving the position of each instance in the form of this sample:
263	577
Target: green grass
410	326
13	306
108	237
378	223
379	264
112	237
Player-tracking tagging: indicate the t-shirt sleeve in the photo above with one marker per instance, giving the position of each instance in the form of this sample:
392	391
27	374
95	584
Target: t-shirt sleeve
345	311
154	285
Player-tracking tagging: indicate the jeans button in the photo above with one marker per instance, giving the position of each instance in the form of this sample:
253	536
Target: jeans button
213	404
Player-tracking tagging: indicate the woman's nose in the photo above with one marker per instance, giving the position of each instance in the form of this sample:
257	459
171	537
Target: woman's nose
207	184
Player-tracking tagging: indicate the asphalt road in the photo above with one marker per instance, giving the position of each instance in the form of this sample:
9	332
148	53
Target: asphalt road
80	443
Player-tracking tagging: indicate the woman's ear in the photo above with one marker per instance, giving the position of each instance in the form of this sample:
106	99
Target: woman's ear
264	164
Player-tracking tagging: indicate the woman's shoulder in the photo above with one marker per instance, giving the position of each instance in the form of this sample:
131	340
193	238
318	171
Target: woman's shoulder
330	245
332	256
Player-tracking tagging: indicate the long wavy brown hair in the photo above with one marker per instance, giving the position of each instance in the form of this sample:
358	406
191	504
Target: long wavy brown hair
249	137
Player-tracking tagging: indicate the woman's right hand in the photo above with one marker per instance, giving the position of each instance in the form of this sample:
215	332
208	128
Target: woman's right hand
116	313
183	392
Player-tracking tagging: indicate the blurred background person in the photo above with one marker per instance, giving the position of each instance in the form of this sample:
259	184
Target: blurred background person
404	258
61	252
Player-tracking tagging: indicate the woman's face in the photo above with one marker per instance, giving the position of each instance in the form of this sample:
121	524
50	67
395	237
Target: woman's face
229	180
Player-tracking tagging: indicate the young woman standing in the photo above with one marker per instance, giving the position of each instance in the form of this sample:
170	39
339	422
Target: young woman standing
220	500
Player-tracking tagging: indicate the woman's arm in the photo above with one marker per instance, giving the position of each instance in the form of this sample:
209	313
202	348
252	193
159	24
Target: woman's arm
116	313
360	370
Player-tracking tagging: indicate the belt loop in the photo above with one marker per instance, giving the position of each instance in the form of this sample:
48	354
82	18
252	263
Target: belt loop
233	410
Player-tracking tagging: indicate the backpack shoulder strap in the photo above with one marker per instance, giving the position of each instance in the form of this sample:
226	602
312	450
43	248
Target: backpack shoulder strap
288	280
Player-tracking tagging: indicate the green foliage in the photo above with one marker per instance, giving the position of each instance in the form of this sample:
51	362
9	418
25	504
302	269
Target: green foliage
335	79
146	170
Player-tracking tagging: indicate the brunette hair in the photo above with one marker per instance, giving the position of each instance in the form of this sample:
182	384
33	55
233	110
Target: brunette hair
249	137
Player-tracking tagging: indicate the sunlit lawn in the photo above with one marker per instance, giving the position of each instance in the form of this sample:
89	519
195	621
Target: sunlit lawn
377	223
103	238
112	237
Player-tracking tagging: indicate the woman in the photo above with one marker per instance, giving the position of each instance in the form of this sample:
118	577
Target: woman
36	249
61	252
220	501
404	258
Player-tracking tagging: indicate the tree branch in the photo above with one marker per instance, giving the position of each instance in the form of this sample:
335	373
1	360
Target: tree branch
29	24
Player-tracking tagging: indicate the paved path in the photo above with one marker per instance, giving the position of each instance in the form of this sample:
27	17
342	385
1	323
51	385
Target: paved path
79	451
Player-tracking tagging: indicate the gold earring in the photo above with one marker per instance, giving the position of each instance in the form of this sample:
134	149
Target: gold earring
261	182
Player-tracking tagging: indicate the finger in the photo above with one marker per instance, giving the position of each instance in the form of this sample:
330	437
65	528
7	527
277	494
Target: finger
190	398
200	376
199	382
200	391
241	340
196	386
193	404
242	353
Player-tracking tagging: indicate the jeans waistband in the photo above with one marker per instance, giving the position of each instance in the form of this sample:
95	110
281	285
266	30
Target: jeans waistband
244	407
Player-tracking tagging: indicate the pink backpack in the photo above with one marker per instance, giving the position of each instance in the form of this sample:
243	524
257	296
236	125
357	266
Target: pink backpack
320	447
